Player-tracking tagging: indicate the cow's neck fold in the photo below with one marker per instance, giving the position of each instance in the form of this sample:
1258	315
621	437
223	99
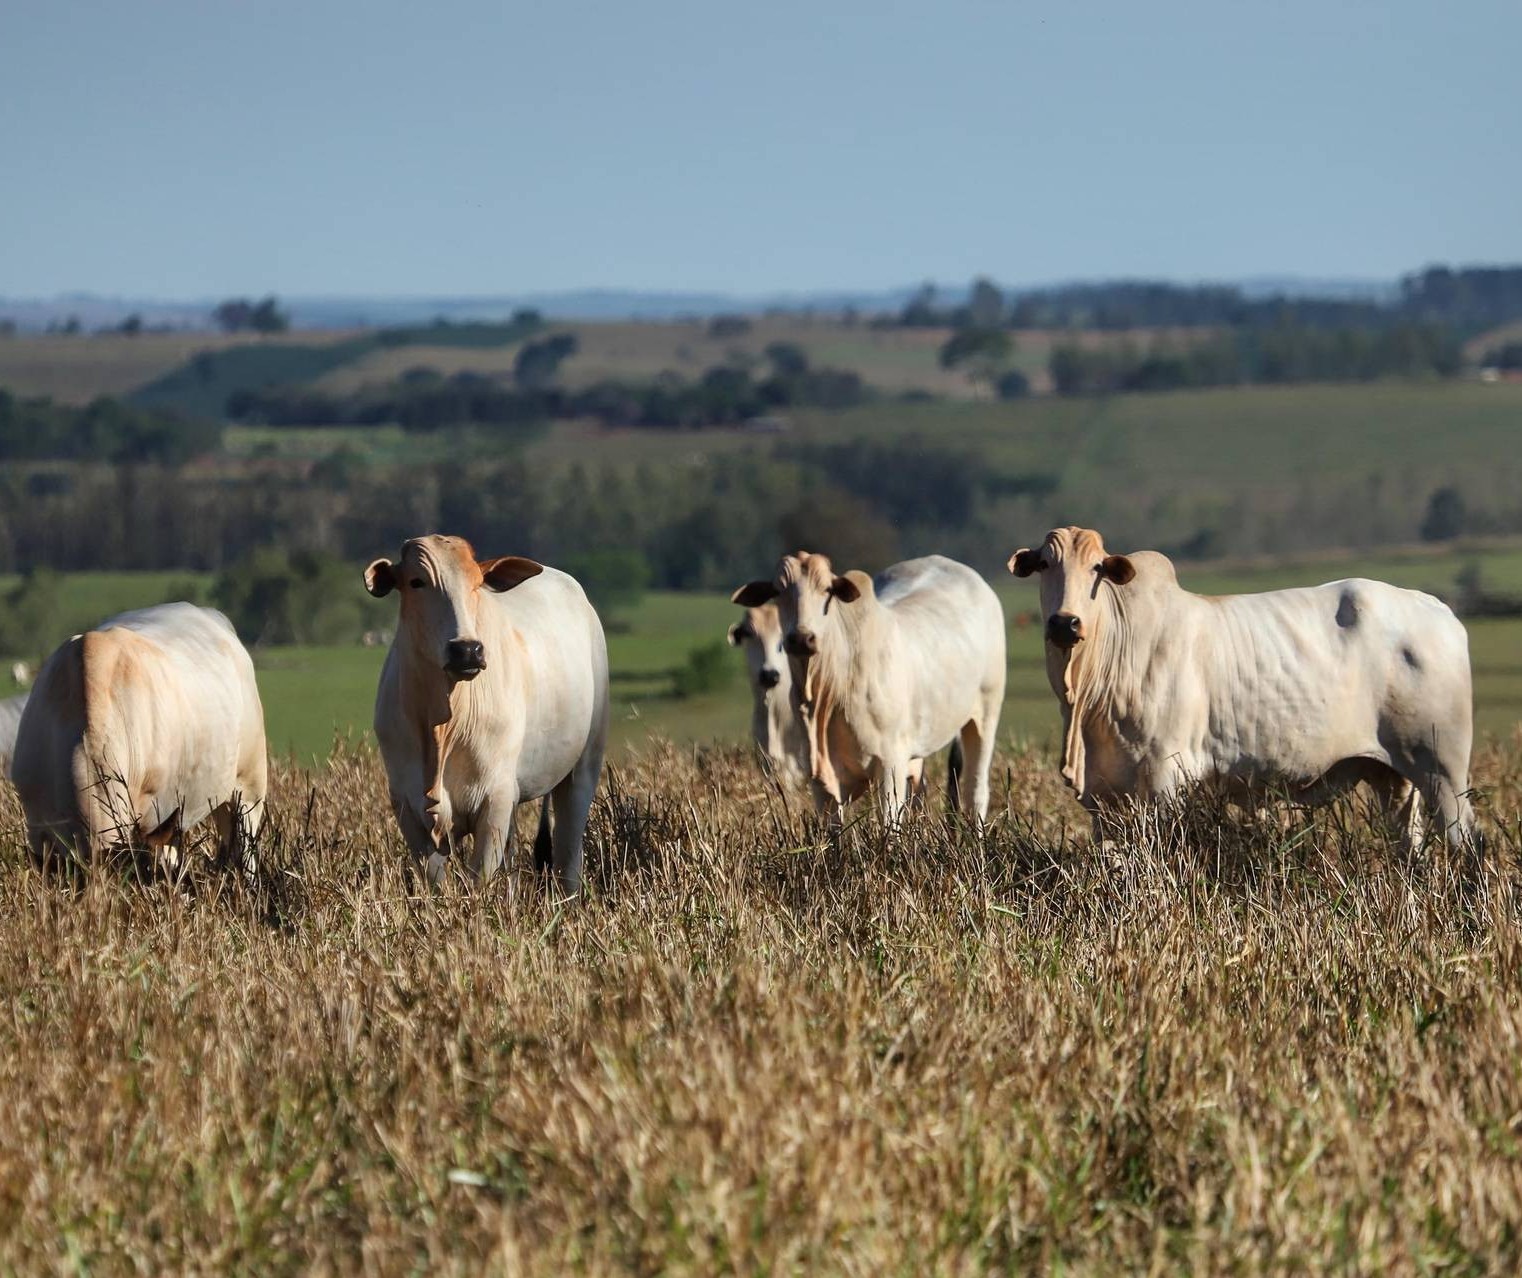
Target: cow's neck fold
440	710
828	678
1097	681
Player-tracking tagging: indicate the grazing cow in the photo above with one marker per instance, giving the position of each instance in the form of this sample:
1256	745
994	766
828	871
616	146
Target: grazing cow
1313	690
10	721
141	729
776	720
494	692
889	671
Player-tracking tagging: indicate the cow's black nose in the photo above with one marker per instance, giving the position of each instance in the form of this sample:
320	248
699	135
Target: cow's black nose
769	678
1064	629
801	643
465	658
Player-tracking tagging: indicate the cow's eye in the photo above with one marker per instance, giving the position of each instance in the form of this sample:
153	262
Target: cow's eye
418	583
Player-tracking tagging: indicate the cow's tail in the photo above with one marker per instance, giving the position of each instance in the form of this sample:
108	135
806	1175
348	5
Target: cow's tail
954	762
101	797
544	847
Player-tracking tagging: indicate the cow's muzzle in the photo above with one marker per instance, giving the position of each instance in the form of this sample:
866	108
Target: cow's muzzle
1063	630
769	678
801	643
464	658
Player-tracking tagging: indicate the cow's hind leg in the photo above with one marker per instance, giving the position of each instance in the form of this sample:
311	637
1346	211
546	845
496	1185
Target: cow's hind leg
572	801
977	749
237	823
544	843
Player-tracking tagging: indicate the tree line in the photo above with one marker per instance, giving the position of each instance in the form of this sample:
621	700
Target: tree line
1270	356
1469	299
424	400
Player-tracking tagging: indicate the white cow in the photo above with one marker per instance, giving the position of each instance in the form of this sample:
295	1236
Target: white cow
494	692
1313	690
889	671
10	721
141	729
776	720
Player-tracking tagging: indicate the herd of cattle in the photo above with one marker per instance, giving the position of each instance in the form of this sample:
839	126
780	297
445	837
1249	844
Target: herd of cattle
495	692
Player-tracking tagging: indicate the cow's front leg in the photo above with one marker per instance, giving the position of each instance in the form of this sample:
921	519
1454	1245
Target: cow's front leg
491	834
417	833
895	786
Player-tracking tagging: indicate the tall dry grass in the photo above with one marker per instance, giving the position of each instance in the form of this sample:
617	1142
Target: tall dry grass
1248	1048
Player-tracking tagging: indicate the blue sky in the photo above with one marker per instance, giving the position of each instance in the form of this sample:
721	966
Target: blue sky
186	148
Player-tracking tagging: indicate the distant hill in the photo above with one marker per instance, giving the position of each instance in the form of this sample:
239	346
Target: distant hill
322	312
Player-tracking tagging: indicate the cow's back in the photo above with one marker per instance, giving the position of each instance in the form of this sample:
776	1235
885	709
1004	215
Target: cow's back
560	670
950	631
161	700
1286	683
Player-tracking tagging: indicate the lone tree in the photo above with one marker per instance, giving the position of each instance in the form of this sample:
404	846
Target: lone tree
537	363
982	351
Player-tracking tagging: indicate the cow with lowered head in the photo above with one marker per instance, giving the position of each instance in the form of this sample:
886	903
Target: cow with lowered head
1305	692
888	670
139	730
494	692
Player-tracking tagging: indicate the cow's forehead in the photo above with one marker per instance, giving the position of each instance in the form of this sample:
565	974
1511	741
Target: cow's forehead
1082	545
764	620
438	554
804	570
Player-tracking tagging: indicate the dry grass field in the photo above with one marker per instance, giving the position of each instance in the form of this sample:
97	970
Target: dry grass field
752	1049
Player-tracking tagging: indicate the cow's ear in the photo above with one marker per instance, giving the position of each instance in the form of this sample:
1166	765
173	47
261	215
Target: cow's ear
736	635
845	590
754	593
1117	568
380	578
1024	562
508	571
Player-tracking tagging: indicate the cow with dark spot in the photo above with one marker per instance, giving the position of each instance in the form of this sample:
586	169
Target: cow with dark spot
1306	692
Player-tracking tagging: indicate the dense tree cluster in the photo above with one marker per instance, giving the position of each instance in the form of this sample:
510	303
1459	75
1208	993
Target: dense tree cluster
1258	356
244	315
104	430
1472	297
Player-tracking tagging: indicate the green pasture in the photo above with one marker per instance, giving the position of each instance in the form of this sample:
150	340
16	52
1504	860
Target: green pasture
313	696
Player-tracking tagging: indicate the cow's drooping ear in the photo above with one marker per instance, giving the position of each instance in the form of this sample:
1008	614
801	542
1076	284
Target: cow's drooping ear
1117	569
508	571
845	590
380	578
754	593
1024	562
736	635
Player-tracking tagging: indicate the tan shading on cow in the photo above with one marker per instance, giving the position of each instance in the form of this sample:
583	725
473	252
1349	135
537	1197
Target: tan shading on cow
1305	691
494	692
776	720
139	730
890	670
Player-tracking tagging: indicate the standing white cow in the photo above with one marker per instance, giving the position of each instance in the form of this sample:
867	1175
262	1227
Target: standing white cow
494	692
889	671
141	729
1313	689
